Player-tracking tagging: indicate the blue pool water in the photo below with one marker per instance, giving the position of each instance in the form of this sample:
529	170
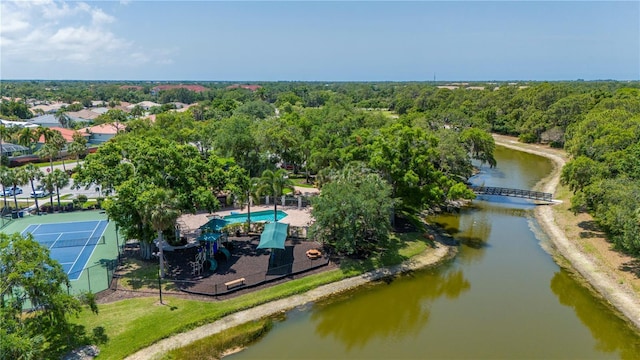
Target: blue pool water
265	215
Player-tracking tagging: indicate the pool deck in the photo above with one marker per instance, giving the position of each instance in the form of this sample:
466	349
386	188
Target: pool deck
190	224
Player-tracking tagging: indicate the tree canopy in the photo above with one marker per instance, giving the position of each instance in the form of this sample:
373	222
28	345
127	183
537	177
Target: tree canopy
30	279
352	213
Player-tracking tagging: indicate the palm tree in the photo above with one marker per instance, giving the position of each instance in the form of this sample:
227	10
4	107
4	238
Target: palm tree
53	144
18	178
62	117
159	208
60	180
6	180
59	142
273	183
4	135
28	137
244	190
31	172
78	147
48	183
48	151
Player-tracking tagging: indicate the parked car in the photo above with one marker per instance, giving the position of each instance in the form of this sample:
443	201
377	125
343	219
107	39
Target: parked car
11	191
39	194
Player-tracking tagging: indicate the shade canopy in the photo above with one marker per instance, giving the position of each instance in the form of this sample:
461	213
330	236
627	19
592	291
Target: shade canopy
209	237
273	236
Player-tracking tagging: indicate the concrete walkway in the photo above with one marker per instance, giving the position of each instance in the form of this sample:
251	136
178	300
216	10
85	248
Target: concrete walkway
431	257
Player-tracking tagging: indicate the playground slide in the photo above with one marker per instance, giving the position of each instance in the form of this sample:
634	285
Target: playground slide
225	252
213	264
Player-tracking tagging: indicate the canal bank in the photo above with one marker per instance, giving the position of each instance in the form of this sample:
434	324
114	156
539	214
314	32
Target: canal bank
591	266
436	303
433	257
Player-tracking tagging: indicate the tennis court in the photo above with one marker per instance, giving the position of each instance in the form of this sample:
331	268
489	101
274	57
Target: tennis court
70	243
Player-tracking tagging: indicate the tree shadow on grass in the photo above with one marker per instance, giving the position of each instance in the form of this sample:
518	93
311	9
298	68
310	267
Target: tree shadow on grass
590	230
632	266
65	340
138	274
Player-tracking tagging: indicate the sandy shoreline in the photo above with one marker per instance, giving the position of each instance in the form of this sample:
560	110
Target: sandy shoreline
597	275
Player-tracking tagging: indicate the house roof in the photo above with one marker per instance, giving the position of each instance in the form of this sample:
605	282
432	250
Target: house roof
186	107
144	104
67	134
104	129
97	103
53	107
44	119
83	114
12	123
100	110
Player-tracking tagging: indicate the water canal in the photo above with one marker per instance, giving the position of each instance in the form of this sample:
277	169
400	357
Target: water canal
501	297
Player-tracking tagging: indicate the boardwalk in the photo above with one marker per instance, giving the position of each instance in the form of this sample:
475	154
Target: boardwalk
525	194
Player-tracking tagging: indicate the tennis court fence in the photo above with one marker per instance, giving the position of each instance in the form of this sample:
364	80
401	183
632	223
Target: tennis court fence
94	278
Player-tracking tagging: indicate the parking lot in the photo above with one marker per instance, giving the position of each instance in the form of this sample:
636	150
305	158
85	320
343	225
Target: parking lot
25	194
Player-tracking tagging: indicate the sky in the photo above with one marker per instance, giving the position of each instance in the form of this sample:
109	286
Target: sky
319	40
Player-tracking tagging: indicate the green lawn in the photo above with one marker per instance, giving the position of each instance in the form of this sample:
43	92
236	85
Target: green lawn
302	182
133	324
214	346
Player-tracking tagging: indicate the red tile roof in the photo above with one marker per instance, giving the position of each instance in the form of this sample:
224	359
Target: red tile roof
67	134
104	129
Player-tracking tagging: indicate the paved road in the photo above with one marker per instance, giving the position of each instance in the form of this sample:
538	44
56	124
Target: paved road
26	189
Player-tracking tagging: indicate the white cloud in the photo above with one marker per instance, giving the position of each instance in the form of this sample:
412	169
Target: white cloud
100	17
61	34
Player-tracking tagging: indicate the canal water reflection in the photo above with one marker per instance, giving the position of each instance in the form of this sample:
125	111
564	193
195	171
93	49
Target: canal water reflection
501	297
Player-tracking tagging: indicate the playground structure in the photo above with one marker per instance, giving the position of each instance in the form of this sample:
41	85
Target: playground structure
211	240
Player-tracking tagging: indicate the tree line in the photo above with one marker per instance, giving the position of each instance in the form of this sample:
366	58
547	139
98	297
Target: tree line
377	151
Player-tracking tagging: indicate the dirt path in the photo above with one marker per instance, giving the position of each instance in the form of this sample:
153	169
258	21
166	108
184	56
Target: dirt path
430	257
601	277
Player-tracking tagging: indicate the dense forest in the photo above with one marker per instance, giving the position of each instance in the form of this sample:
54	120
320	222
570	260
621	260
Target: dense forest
418	137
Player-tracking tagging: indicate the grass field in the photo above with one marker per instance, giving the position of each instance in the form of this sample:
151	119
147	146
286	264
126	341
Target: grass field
132	324
302	182
215	346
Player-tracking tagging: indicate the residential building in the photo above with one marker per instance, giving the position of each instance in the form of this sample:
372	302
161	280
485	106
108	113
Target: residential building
48	120
146	105
99	134
67	134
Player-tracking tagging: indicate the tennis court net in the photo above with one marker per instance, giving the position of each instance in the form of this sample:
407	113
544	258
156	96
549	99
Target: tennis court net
61	243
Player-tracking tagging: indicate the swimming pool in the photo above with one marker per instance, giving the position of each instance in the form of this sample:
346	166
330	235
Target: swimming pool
265	215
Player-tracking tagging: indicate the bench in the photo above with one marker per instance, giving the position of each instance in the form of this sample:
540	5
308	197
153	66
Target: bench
236	282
